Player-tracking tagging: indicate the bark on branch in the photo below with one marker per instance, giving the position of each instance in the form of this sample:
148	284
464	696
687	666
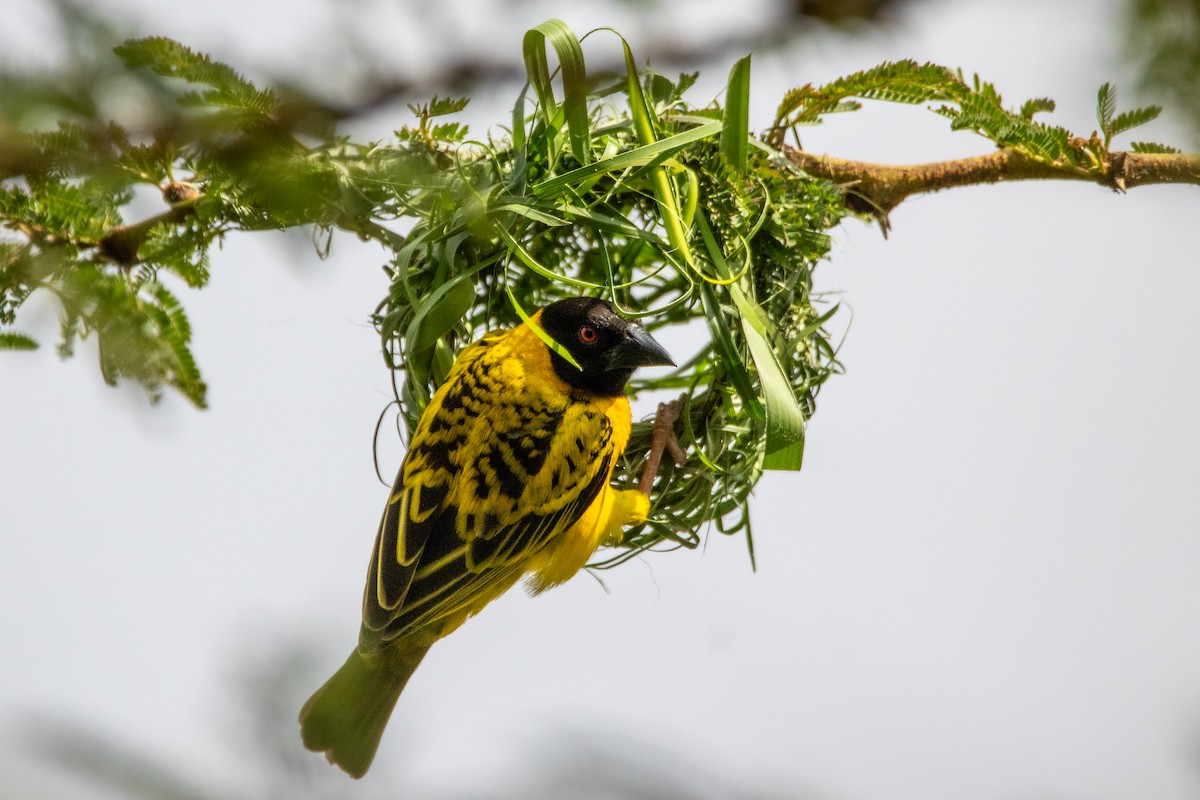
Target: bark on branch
879	188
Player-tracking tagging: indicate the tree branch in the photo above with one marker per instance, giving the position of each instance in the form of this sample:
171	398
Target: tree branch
879	188
122	242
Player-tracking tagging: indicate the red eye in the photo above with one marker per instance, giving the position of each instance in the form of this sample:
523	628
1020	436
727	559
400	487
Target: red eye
588	335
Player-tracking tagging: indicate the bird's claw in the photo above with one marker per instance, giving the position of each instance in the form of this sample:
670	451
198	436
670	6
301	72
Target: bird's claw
663	439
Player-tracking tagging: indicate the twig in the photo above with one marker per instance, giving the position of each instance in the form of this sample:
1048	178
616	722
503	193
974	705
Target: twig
880	188
122	242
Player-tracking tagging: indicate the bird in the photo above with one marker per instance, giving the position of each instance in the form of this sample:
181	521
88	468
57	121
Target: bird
507	476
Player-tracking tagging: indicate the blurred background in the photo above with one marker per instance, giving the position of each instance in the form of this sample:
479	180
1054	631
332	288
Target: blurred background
985	583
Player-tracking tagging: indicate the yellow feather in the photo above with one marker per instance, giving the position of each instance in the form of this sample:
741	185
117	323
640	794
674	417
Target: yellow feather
507	475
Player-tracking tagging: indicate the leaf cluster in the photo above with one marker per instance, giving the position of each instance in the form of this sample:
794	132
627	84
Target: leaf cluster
223	156
973	105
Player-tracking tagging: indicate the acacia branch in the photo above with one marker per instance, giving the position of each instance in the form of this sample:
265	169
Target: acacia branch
122	242
879	188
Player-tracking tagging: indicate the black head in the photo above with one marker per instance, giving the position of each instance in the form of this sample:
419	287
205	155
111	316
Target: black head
607	346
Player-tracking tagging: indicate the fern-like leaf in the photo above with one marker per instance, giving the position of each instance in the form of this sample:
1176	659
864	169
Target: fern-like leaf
440	106
11	340
176	365
1153	148
1131	119
171	59
1106	106
792	100
1037	105
899	81
894	81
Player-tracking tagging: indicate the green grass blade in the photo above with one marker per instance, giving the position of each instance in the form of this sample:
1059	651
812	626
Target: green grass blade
445	308
574	78
654	151
725	275
533	214
785	422
644	126
541	333
611	224
735	134
730	358
528	260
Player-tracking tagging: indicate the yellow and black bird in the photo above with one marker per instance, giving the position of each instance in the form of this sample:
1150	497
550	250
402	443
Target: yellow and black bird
507	475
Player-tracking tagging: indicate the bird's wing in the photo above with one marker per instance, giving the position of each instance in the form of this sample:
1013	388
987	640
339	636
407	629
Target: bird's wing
492	476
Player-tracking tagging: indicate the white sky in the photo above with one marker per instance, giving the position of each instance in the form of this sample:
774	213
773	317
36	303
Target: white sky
984	583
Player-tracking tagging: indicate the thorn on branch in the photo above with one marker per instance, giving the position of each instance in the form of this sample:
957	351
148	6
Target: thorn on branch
1116	172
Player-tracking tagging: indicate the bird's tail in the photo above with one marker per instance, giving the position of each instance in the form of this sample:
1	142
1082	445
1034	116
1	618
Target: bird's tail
345	718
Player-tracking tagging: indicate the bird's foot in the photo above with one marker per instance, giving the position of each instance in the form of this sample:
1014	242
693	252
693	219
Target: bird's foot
663	439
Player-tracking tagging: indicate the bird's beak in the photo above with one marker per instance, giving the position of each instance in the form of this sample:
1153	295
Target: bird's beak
637	349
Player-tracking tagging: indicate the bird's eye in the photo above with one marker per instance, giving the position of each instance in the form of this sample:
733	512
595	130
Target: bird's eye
588	335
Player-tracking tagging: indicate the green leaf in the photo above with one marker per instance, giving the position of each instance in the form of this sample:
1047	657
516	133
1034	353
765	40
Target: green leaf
664	192
171	59
1153	148
450	132
784	448
981	112
524	256
785	422
541	333
894	81
610	224
11	340
1106	106
1131	119
533	214
732	361
441	312
656	151
173	361
441	106
1037	105
574	79
735	134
